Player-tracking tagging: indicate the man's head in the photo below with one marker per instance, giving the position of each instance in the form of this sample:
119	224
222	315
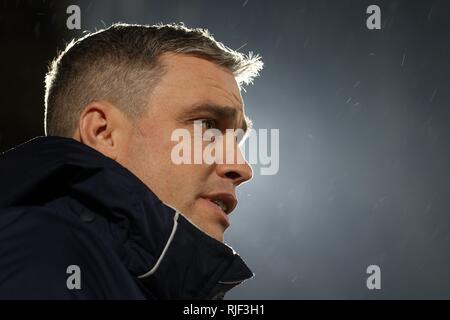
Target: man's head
124	90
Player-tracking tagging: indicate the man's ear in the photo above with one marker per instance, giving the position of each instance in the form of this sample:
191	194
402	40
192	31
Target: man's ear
102	127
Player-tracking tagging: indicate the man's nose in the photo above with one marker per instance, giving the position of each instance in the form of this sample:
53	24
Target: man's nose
238	170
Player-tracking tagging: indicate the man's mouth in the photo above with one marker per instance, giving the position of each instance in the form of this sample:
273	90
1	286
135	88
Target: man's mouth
225	201
221	205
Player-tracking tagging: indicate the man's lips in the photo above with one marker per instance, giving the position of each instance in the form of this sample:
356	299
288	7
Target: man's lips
226	201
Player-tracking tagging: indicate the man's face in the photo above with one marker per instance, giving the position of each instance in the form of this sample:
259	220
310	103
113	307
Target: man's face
192	89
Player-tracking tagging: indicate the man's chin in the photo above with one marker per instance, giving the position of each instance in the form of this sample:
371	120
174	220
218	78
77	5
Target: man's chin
214	230
211	227
206	217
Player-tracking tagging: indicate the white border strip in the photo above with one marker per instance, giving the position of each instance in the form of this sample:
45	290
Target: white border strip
172	234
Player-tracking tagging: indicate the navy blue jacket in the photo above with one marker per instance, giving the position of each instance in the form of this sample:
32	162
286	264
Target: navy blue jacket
64	204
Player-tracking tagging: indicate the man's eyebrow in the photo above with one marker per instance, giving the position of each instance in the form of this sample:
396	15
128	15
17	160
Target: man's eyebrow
219	112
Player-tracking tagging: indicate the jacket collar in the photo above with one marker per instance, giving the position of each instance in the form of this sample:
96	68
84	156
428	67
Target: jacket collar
169	256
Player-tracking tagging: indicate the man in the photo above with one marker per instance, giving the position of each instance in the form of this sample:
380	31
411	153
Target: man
97	209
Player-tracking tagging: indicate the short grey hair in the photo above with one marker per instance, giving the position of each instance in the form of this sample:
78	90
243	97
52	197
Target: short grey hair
120	64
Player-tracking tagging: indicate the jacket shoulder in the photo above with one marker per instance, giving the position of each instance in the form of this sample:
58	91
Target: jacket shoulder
47	255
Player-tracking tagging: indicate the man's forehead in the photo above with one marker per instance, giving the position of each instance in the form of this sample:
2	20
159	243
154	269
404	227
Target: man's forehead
206	87
191	71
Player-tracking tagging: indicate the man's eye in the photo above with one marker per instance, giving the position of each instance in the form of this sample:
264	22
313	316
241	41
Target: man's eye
208	124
